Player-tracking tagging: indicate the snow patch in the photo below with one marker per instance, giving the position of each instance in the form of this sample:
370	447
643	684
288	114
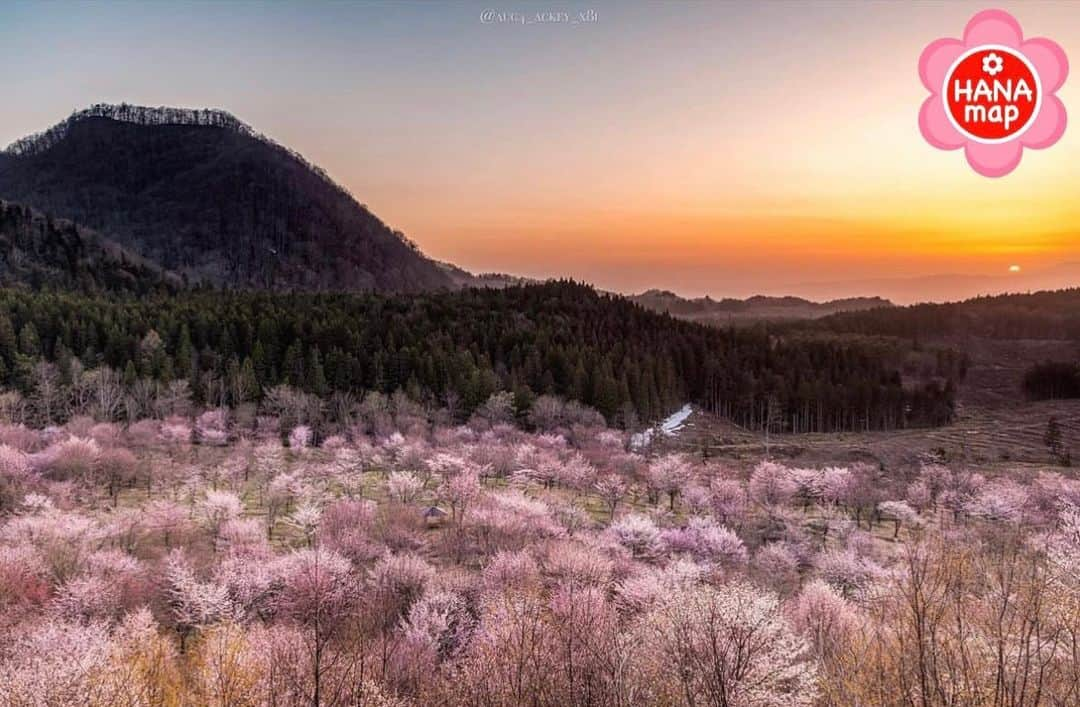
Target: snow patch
674	423
669	428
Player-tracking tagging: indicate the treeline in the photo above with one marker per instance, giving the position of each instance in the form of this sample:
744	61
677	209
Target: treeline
559	338
1052	380
127	113
1042	315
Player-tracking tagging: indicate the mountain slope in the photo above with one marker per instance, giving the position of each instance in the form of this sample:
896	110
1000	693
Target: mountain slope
38	251
202	194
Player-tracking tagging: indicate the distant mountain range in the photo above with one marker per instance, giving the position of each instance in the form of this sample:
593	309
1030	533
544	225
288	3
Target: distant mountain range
950	287
200	193
708	310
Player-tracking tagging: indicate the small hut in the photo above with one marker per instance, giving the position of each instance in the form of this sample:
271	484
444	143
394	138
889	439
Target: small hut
434	516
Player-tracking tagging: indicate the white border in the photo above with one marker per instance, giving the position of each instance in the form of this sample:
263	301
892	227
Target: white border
1008	50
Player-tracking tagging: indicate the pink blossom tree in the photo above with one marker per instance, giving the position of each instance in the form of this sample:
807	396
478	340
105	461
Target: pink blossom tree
612	489
212	427
215	509
824	617
404	486
707	542
900	513
668	474
639	535
194	604
728	500
460	492
771	484
726	646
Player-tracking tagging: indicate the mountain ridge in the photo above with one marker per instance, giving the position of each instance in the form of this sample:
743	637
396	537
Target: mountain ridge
203	194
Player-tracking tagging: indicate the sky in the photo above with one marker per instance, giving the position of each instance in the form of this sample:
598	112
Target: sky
726	149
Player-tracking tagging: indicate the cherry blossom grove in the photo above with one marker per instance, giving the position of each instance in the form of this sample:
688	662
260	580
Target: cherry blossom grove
196	561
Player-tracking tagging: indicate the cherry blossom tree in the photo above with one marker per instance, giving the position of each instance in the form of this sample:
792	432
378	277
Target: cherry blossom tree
707	542
404	486
460	491
212	427
169	519
825	618
74	458
215	509
612	489
194	604
639	535
778	565
118	467
306	518
899	512
726	646
300	438
771	484
728	500
1002	500
668	474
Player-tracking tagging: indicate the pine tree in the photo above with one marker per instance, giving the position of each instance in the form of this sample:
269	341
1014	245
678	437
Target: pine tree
1053	438
29	343
248	387
185	355
316	376
8	341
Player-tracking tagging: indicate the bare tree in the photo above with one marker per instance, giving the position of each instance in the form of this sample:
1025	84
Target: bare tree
108	392
48	391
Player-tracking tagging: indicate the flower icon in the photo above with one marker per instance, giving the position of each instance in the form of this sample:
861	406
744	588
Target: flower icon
992	29
993	64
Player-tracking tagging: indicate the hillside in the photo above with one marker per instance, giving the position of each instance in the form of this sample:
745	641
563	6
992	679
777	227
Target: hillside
200	193
1041	315
760	307
41	252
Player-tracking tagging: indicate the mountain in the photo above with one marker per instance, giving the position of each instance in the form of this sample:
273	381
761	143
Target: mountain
42	252
204	195
708	310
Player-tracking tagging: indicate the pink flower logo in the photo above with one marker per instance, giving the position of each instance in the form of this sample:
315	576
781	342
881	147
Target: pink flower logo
992	93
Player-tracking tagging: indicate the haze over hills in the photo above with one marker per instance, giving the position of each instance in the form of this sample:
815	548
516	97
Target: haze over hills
949	287
201	193
760	307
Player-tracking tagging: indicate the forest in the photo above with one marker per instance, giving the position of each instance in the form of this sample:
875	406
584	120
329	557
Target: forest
1052	380
455	350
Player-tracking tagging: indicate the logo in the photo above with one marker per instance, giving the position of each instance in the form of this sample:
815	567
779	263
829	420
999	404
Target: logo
992	93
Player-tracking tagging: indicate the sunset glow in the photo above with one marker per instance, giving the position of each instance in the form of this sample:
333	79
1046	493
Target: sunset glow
766	149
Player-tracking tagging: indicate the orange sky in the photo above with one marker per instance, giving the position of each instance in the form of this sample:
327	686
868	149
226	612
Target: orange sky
724	148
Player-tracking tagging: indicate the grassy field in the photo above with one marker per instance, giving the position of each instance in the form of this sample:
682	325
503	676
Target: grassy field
995	425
